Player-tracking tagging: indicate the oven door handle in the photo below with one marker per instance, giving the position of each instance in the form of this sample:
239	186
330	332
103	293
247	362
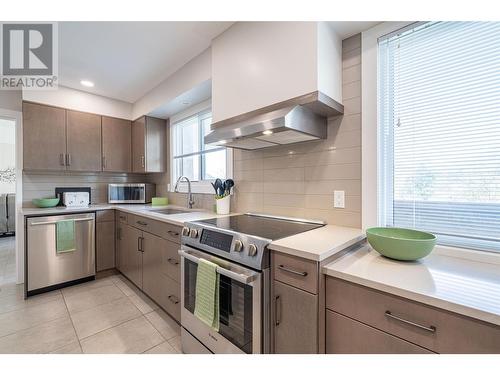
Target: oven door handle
242	278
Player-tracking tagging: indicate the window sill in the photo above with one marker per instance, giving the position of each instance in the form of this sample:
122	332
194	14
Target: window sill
468	254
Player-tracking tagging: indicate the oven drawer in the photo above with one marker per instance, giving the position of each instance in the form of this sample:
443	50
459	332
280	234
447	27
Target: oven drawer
159	228
298	272
435	329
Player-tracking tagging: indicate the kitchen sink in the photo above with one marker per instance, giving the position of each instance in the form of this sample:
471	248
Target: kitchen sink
169	211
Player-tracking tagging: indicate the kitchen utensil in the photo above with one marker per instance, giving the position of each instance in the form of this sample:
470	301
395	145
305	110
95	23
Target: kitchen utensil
228	185
401	243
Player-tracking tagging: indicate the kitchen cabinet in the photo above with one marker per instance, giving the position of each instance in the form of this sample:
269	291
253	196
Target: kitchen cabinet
148	145
434	329
105	240
83	142
295	320
120	246
131	254
44	137
347	336
116	145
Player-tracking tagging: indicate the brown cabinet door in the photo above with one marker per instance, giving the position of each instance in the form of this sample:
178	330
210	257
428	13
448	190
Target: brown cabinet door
44	137
116	145
295	320
152	263
139	145
83	134
105	236
155	145
119	246
347	336
132	256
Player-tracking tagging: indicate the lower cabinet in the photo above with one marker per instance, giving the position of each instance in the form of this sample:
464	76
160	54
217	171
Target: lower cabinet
105	247
295	320
347	336
152	263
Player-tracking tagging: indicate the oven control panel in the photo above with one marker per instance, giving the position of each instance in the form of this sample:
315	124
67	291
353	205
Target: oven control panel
217	240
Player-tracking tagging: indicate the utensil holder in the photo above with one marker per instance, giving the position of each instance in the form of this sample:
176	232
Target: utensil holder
223	205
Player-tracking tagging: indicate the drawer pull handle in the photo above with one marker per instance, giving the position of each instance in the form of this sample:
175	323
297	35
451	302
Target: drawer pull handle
172	299
173	261
399	319
277	306
300	273
173	233
142	223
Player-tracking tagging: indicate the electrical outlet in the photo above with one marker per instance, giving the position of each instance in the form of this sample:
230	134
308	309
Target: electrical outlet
339	199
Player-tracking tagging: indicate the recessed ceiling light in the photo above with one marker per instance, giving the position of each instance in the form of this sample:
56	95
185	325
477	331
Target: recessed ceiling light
86	83
267	132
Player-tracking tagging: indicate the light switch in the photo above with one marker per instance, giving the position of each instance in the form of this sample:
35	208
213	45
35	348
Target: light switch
339	199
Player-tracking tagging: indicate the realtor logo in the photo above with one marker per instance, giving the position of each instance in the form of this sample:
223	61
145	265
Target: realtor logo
29	59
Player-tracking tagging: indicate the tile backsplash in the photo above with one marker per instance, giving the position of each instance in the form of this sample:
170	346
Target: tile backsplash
299	180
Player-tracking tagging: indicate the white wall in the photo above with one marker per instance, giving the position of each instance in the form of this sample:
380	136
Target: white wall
7	153
193	74
255	64
80	101
11	100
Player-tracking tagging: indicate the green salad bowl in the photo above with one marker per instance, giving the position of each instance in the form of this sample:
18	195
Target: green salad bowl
401	243
45	202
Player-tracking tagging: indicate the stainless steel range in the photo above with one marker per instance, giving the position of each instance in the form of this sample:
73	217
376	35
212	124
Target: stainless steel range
238	245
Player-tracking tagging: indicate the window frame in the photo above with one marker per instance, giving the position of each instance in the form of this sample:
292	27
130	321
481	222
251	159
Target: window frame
369	139
201	186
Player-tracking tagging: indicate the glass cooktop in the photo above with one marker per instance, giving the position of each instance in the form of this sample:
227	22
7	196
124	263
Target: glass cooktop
261	226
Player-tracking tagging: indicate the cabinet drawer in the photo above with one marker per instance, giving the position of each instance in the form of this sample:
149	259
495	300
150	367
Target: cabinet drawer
435	329
159	228
171	297
121	217
105	215
298	272
347	336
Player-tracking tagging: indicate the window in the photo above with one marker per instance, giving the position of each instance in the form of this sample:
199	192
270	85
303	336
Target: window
191	157
439	132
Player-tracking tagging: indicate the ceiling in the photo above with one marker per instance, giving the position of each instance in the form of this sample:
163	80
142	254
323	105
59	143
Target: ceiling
125	60
345	29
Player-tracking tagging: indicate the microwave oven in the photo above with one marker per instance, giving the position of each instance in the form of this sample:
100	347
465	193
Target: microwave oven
131	193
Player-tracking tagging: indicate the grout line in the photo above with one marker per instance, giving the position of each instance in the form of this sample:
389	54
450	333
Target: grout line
72	323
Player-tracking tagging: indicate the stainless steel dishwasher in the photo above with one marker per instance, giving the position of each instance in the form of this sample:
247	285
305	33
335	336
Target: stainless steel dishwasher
46	269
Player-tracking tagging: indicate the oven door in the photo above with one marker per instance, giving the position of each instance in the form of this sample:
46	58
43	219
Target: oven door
240	307
126	193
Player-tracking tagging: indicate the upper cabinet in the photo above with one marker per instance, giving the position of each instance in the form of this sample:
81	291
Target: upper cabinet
116	145
259	64
148	145
83	141
65	140
44	137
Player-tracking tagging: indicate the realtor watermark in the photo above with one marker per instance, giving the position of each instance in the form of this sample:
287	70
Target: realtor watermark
28	56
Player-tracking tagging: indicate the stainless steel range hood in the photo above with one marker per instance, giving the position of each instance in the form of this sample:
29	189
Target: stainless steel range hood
300	119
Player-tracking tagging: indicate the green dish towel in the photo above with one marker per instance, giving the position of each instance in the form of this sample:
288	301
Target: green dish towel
65	236
207	294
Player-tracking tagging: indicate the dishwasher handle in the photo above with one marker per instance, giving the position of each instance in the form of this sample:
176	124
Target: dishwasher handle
53	222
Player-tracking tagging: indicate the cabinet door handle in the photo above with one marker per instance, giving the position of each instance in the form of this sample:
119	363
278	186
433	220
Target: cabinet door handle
173	261
286	269
142	161
61	159
104	162
68	159
119	234
173	299
142	223
139	244
173	233
277	307
413	324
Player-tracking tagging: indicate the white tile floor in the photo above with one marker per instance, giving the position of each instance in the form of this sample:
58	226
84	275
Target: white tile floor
108	315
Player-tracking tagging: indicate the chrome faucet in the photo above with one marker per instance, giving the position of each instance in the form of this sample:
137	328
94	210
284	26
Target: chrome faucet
190	200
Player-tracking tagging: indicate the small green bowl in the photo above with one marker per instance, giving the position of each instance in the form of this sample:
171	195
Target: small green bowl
45	202
401	243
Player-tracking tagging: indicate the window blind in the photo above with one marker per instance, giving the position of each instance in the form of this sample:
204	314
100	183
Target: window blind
439	132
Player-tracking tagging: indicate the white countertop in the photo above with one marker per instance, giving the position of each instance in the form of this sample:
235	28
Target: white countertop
319	244
460	285
145	210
